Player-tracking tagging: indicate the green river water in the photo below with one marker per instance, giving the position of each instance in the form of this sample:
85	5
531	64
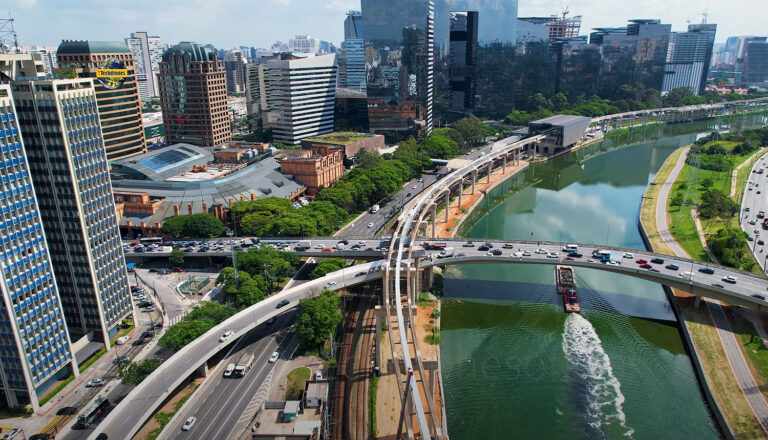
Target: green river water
515	366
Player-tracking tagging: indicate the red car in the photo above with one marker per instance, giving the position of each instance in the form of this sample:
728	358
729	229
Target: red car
641	262
645	266
178	269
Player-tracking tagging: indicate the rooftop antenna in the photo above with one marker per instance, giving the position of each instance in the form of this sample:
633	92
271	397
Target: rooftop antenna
704	17
9	42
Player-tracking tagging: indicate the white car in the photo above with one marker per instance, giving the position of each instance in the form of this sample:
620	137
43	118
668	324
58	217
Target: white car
224	336
729	279
518	254
122	340
686	275
95	382
541	251
629	256
552	255
189	423
331	284
370	225
275	356
228	371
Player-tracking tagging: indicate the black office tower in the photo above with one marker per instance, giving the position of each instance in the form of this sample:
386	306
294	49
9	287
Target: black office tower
462	60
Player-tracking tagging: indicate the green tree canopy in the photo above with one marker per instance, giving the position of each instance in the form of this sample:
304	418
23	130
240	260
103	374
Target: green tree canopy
193	226
318	319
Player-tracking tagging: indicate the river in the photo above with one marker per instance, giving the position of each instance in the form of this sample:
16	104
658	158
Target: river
515	366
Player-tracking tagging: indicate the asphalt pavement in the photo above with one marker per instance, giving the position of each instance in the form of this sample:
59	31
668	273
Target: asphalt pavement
753	203
218	404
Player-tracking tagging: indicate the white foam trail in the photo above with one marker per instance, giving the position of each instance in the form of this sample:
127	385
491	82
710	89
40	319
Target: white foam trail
584	351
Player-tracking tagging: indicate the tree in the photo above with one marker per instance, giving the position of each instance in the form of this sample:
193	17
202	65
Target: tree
716	204
184	332
318	319
327	266
194	226
176	258
133	373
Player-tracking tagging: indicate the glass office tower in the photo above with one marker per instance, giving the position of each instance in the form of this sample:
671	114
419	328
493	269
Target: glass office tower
399	43
34	343
68	161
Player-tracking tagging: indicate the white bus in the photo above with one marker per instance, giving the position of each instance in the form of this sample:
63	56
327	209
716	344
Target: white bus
243	365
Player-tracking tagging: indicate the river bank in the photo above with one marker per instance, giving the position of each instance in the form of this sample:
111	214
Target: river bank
725	398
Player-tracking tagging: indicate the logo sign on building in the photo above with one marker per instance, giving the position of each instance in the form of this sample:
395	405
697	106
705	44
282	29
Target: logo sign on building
112	74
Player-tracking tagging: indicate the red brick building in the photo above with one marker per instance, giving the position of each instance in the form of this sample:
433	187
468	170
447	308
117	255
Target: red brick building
315	168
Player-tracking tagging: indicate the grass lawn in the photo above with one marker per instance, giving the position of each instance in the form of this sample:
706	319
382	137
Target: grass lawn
648	207
88	363
56	389
687	191
296	380
164	417
720	380
753	349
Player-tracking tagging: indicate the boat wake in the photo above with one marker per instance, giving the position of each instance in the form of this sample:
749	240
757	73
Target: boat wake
589	361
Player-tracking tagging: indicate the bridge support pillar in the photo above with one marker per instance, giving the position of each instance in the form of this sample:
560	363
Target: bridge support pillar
203	370
427	278
434	220
447	204
381	318
504	165
461	191
488	176
474	180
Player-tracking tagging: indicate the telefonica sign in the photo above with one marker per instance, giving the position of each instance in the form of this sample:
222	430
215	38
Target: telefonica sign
112	74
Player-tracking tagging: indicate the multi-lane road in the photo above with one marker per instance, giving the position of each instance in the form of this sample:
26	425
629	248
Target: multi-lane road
754	208
220	401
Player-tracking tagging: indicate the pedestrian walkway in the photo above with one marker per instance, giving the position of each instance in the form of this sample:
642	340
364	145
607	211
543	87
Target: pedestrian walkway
739	366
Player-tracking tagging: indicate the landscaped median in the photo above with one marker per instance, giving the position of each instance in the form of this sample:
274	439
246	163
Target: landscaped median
704	341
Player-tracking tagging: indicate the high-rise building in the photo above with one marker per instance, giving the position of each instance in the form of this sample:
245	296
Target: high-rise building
353	25
21	66
255	100
636	53
193	95
752	65
147	53
60	123
48	57
462	60
300	96
235	66
111	65
552	28
499	18
33	333
688	58
352	64
304	44
400	57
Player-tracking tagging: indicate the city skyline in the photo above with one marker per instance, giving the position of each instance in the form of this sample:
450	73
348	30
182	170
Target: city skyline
278	22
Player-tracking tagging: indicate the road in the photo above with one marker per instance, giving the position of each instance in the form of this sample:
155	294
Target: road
662	218
138	406
752	204
220	402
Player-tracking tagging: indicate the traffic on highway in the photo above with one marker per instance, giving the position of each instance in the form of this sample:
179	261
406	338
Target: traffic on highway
754	208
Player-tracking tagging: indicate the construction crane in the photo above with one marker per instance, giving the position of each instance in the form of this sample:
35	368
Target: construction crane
9	42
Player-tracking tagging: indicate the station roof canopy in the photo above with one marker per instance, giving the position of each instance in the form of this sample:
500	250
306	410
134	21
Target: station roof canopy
563	121
159	165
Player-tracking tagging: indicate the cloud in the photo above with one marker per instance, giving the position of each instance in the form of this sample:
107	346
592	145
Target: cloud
26	3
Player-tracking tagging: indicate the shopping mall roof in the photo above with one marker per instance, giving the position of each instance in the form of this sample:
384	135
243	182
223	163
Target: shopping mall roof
159	165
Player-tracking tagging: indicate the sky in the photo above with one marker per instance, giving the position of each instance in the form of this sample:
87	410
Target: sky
230	23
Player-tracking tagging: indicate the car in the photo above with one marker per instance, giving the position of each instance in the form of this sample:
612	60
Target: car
718	285
370	225
729	279
657	261
489	244
189	423
758	192
224	336
517	254
122	340
229	370
526	254
758	296
415	187
468	244
760	242
672	267
575	255
552	255
139	342
274	357
282	304
508	246
752	222
746	209
749	238
628	256
645	266
496	252
707	270
687	275
318	375
641	261
421	180
95	382
541	251
330	284
484	248
360	274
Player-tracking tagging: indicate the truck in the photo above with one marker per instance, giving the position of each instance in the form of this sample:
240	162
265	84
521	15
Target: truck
243	365
435	246
375	209
303	246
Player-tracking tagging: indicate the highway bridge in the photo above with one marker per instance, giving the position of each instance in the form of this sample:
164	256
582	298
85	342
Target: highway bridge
403	258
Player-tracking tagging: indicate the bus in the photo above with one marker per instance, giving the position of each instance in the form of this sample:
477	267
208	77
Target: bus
602	255
92	413
146	241
243	365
